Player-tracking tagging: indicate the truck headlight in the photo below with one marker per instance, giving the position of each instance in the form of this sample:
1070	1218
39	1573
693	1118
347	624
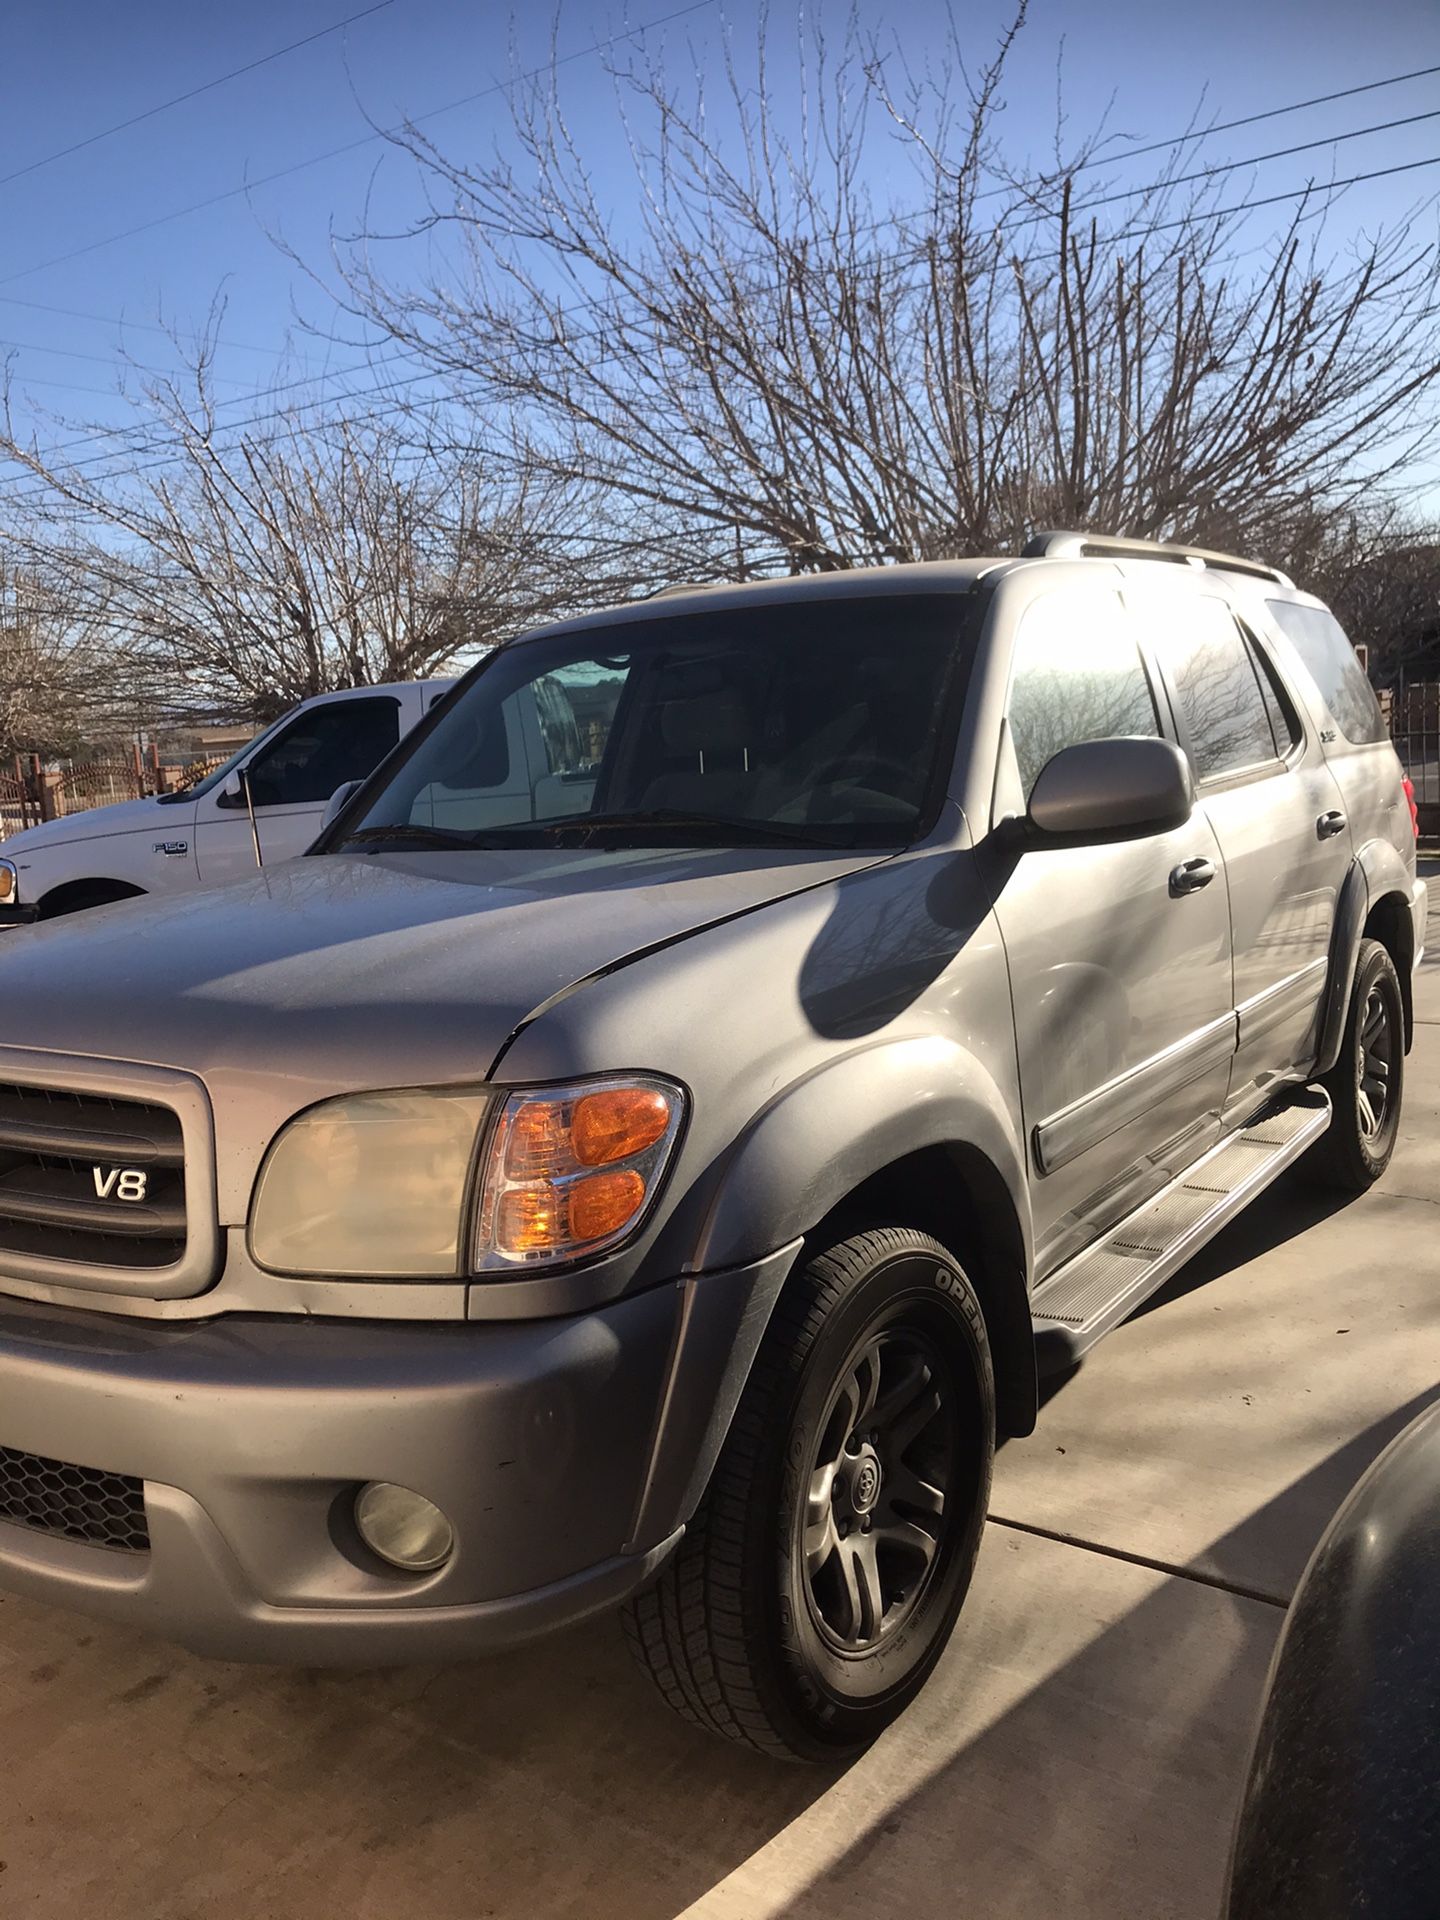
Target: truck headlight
370	1186
571	1171
9	883
379	1185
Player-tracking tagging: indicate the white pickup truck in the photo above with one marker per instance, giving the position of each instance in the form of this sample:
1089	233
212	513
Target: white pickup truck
203	835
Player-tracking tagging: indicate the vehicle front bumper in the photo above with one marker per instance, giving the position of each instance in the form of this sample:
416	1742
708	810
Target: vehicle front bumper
18	916
566	1454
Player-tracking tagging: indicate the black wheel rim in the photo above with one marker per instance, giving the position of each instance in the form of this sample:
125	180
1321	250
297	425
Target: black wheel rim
1376	1063
875	1506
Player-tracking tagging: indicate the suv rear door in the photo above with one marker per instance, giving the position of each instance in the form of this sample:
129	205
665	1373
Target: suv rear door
1276	812
1358	749
1120	974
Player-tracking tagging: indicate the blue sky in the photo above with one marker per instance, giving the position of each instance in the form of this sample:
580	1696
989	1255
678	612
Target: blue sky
70	71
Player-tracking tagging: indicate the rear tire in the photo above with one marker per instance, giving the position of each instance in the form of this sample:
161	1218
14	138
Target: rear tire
1367	1081
819	1580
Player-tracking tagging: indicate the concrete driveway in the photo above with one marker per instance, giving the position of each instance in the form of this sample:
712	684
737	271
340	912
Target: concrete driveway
1077	1754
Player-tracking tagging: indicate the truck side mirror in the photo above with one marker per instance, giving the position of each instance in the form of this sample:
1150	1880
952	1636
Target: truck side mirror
337	800
1116	789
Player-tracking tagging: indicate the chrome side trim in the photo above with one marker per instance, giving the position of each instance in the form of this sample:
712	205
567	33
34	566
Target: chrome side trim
1095	1116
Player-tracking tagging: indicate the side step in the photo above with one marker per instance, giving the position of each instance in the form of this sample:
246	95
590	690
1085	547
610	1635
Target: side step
1098	1289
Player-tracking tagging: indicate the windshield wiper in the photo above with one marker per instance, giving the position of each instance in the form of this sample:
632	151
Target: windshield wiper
406	833
717	828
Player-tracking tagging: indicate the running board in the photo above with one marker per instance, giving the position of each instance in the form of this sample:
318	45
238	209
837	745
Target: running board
1093	1293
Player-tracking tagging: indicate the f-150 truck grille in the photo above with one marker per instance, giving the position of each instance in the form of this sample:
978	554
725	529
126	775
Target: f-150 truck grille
90	1180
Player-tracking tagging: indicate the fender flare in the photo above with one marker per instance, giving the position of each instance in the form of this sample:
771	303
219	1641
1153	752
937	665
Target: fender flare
873	1107
1350	913
1375	872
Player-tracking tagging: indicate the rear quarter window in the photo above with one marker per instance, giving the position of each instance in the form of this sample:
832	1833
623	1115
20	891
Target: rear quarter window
1330	660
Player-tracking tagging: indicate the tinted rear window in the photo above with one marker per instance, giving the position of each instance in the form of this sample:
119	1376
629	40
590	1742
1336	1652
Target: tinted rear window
1330	660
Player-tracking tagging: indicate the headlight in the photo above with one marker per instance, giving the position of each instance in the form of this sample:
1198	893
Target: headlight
571	1171
379	1185
9	883
370	1186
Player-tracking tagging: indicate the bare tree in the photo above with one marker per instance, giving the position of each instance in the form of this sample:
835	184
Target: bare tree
55	684
310	551
1381	574
766	369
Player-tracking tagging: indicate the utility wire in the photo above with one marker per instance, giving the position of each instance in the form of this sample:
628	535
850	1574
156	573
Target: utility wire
120	320
1236	166
207	86
239	426
1079	209
1273	199
350	146
1133	193
1252	119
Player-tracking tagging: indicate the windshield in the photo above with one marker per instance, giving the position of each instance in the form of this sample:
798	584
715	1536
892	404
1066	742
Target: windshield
226	767
816	722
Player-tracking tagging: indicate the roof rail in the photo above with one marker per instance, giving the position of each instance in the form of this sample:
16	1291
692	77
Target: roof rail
689	586
1098	546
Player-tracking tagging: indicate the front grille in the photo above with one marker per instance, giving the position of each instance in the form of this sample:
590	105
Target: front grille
90	1180
79	1503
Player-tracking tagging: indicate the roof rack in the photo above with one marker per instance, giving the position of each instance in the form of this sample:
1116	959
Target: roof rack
690	586
1099	546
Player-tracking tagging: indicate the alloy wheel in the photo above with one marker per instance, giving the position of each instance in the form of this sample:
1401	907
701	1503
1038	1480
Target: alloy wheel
875	1504
1377	1043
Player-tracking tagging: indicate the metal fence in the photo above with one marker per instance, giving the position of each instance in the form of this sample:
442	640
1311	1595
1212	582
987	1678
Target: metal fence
19	799
1414	716
98	783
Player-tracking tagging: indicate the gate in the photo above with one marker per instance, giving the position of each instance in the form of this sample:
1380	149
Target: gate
19	799
1414	716
98	783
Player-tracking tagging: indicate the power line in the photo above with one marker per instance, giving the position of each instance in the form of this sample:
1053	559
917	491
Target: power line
1273	199
351	146
1081	208
1245	206
207	86
1253	119
1155	146
1235	166
120	320
100	359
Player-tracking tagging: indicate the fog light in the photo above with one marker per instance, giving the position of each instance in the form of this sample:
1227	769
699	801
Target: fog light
403	1527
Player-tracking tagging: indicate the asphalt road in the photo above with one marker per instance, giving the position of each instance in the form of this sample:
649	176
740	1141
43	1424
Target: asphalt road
1078	1753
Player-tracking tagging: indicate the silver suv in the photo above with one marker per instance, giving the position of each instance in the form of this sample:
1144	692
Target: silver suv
657	1180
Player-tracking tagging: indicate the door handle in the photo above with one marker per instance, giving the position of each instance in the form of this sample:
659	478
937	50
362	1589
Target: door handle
1330	823
1190	876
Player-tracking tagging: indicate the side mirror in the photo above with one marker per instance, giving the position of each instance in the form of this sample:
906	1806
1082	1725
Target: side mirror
232	792
1111	790
337	801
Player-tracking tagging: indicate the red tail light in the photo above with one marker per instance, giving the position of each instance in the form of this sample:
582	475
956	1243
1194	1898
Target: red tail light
1414	810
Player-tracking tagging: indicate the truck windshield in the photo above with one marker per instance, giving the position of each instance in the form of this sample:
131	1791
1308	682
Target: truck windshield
817	722
208	782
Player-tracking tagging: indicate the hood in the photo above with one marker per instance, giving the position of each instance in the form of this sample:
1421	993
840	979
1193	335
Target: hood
352	970
95	823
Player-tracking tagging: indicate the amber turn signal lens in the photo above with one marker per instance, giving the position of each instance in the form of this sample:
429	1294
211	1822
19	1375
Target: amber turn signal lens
540	1218
617	1124
7	883
602	1203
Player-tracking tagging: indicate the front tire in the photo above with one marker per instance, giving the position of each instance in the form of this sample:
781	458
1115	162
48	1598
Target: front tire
820	1578
1367	1082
